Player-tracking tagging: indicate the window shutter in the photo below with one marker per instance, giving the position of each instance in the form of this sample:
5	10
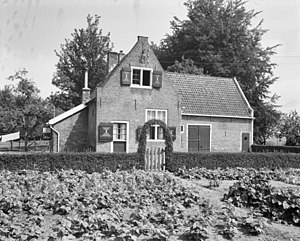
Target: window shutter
138	133
126	76
157	79
105	132
173	132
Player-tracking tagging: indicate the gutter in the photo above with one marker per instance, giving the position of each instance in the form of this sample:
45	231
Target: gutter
221	116
58	136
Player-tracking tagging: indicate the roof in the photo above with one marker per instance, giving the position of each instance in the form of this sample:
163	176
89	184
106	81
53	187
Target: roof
210	96
67	114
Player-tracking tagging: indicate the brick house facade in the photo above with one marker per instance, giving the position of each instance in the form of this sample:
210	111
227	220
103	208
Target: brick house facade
202	114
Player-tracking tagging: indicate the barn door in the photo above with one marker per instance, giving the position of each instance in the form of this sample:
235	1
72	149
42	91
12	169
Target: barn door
198	138
245	142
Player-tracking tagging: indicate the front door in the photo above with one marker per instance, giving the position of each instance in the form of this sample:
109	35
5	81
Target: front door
198	138
119	137
245	142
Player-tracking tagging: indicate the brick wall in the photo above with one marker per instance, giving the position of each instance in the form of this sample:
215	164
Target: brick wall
226	133
72	132
124	103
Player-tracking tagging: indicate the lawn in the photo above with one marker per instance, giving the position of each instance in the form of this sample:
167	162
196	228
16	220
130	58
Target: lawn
189	205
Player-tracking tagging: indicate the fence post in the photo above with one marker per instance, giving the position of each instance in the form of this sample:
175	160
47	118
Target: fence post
158	168
147	159
163	156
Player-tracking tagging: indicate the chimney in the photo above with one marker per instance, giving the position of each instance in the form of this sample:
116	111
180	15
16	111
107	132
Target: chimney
112	60
143	40
121	55
86	91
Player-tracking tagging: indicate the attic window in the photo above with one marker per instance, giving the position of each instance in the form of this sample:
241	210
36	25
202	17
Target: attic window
141	77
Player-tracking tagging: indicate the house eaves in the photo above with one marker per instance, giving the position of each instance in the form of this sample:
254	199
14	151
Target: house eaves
66	114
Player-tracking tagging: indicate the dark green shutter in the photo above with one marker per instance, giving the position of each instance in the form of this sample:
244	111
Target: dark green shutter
138	133
126	76
105	132
173	132
157	79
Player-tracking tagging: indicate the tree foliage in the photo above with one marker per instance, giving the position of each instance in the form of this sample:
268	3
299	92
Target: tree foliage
186	66
290	128
86	50
21	108
220	38
267	122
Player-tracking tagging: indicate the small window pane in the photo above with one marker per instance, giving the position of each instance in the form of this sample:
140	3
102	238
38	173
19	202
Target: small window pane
146	77
164	117
119	131
136	76
160	133
161	115
152	133
150	114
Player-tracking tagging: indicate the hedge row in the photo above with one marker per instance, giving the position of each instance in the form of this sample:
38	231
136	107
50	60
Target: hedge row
90	162
285	149
224	160
97	162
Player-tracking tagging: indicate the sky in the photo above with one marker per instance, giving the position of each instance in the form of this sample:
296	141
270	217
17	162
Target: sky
30	31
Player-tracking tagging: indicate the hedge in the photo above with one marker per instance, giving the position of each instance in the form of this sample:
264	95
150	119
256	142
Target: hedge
286	149
97	162
90	162
224	160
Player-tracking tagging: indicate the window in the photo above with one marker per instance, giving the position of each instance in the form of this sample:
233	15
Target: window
141	77
119	132
156	132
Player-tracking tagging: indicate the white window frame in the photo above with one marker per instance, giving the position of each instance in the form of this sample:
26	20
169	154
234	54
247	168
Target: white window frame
141	78
127	136
156	126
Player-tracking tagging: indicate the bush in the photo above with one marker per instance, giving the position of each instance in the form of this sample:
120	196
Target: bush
285	149
231	160
97	162
90	162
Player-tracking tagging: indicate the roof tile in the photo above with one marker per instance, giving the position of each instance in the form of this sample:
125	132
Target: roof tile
207	95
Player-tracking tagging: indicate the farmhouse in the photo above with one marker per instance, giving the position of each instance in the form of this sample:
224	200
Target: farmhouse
203	113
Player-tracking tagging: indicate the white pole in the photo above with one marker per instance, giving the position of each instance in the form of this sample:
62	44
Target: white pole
86	79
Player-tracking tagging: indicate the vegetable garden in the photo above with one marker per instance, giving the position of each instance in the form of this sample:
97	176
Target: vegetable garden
138	205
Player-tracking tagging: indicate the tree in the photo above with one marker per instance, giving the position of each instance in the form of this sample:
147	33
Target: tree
21	107
220	38
87	50
186	66
266	122
290	128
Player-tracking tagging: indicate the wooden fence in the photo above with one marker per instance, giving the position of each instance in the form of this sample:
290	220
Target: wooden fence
155	159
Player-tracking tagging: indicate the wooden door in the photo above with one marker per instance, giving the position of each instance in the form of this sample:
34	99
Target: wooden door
119	146
245	142
198	138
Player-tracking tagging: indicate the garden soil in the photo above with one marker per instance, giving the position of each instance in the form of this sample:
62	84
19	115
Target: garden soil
272	231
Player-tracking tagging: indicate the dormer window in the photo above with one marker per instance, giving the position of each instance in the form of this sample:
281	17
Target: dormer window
141	77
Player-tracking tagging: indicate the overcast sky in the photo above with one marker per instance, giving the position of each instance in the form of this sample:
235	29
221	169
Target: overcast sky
30	31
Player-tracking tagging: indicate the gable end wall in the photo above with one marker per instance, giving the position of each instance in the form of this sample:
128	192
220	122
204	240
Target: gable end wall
73	132
124	103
